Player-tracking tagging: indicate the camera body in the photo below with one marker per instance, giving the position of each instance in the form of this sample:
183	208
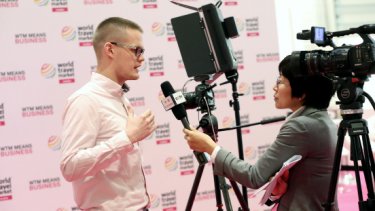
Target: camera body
343	61
203	98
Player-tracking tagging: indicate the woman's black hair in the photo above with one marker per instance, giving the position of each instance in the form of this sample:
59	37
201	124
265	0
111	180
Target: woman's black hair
317	89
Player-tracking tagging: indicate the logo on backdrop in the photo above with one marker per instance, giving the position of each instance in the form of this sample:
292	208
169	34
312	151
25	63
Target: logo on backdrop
54	143
6	189
262	149
158	29
205	195
162	134
252	27
230	3
168	200
170	164
250	153
258	88
40	110
16	75
85	35
45	183
150	4
244	88
147	169
239	24
16	150
68	33
239	57
180	64
170	33
47	71
228	121
27	38
154	201
8	3
95	2
66	72
2	115
137	101
59	5
156	66
187	165
267	57
245	119
220	93
41	2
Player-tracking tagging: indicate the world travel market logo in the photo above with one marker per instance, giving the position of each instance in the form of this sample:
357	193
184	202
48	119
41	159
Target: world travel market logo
150	4
84	34
68	33
56	5
6	189
65	72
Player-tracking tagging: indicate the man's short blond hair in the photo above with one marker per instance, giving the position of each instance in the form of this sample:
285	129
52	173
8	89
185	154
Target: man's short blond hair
112	29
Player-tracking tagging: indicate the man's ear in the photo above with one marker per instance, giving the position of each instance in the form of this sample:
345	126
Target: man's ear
108	49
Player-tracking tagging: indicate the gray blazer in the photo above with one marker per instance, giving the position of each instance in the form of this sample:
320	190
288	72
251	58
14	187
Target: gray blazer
312	134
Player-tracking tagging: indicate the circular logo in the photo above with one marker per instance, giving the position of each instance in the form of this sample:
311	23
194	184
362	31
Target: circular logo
154	201
47	70
244	88
239	24
54	143
228	122
170	164
41	2
157	29
250	153
68	33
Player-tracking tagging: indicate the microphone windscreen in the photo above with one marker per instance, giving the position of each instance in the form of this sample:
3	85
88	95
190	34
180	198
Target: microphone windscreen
179	111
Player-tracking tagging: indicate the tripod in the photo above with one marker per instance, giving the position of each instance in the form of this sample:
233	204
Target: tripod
351	111
209	125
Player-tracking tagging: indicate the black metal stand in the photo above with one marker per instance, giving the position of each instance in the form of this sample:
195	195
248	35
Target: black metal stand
232	77
356	127
209	126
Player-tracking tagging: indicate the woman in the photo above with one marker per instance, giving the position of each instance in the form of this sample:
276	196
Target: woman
308	131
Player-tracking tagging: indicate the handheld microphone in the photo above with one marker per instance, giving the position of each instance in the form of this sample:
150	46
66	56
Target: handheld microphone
179	112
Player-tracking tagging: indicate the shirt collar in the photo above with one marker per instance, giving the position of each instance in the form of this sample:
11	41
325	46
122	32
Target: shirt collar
296	113
107	84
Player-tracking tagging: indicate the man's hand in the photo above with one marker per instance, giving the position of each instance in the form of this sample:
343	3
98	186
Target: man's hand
139	127
199	141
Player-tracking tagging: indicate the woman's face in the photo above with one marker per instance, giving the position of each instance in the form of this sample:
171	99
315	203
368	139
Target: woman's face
283	95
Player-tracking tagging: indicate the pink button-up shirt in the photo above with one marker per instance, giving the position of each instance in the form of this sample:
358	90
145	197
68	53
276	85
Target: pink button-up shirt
104	167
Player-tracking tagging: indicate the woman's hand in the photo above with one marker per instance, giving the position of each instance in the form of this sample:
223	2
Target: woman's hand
199	141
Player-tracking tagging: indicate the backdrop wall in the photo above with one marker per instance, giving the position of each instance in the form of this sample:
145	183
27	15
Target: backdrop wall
46	54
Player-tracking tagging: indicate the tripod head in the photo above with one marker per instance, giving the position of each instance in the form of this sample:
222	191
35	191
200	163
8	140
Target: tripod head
350	94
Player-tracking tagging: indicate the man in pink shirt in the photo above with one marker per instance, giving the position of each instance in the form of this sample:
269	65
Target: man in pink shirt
100	151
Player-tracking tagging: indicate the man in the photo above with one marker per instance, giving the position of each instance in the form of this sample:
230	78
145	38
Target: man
100	151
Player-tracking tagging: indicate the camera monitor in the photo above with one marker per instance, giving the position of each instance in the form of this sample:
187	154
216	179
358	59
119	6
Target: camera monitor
203	40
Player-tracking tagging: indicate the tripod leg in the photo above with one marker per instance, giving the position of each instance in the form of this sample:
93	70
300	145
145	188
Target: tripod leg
224	188
194	188
356	149
239	196
336	167
370	164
